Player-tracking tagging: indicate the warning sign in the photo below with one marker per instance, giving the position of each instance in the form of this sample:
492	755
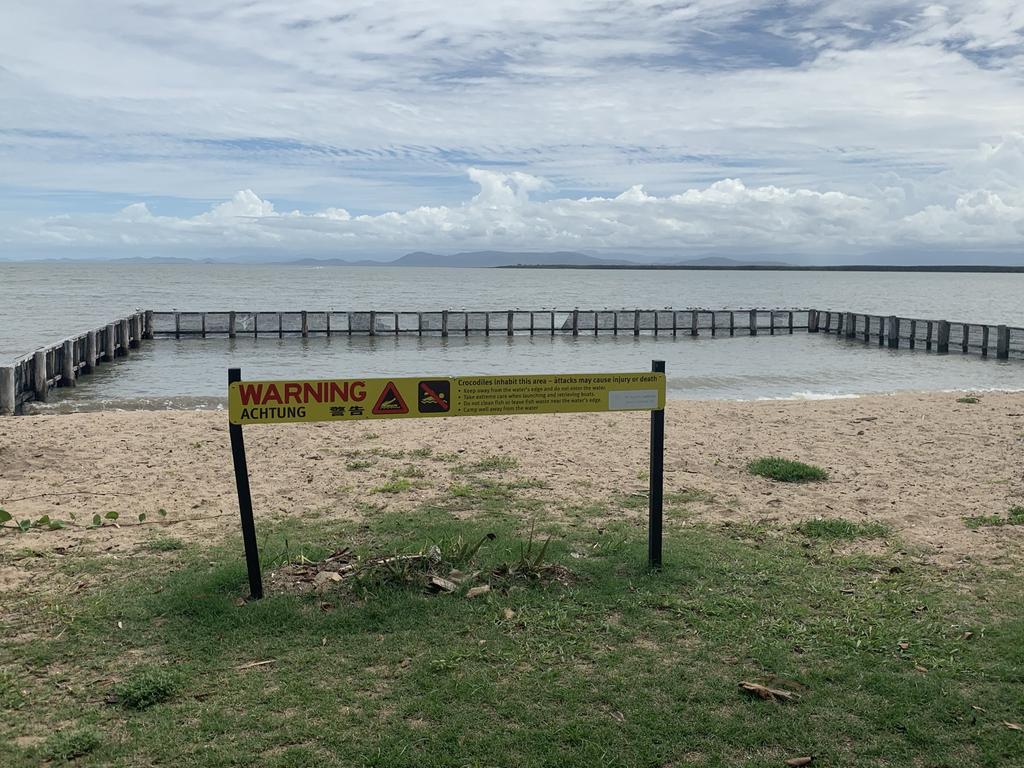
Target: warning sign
390	402
267	402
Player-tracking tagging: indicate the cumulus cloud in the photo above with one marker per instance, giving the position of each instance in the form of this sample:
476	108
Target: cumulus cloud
984	209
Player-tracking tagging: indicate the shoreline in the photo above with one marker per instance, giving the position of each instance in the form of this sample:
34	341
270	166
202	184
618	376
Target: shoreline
917	463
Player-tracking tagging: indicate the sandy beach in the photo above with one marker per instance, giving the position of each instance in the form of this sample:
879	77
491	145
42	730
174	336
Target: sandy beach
919	463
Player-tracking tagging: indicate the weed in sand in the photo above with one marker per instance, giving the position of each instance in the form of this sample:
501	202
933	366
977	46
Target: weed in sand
165	544
837	528
1014	516
357	464
970	399
490	464
397	485
786	470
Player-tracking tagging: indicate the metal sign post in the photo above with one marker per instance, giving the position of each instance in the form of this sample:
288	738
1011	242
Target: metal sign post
252	553
657	489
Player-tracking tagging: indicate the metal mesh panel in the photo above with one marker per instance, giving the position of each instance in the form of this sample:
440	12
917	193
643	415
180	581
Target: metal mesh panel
191	322
163	322
921	332
244	322
266	323
956	334
1017	340
498	321
217	322
521	321
339	322
722	322
291	322
316	322
563	321
665	321
359	322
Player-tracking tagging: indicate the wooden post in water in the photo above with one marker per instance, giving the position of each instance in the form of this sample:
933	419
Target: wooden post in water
510	321
732	323
136	330
1002	342
147	326
124	336
90	351
929	333
839	323
812	320
576	322
202	324
694	321
39	366
867	328
984	341
966	339
373	323
655	322
8	397
942	343
753	322
67	367
851	325
444	323
912	342
636	322
231	324
597	322
177	325
894	332
111	341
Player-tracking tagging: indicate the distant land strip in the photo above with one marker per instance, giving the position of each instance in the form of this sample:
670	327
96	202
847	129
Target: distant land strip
782	267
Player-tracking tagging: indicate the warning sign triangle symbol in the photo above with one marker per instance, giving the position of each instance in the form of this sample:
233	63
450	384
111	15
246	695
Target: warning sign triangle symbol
390	402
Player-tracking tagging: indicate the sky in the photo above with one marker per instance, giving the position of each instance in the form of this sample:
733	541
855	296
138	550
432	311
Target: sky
821	130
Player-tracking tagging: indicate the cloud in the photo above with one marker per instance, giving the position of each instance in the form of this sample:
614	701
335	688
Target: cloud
385	105
983	208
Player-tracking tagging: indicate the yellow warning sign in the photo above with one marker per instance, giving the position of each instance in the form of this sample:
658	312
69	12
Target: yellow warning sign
269	402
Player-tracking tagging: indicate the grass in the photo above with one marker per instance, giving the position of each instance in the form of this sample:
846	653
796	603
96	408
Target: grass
615	666
165	544
786	470
1014	516
145	687
968	399
70	744
356	465
491	464
396	485
837	528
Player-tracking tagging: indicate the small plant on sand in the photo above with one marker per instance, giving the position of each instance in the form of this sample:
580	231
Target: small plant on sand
837	528
146	686
1014	516
786	471
968	399
398	485
69	744
491	464
357	464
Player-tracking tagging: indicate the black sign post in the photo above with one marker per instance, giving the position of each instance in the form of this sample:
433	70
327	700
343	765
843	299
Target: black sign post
252	554
657	489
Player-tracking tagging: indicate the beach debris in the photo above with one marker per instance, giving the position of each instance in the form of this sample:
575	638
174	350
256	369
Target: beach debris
483	589
509	614
1013	726
440	584
766	693
254	664
796	762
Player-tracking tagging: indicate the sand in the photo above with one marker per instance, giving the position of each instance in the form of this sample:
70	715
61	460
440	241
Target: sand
919	463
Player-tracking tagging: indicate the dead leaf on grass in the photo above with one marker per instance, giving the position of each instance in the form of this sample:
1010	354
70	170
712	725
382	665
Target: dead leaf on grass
1013	726
795	762
483	589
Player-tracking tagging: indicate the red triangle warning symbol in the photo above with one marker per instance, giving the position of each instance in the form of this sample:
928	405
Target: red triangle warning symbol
390	402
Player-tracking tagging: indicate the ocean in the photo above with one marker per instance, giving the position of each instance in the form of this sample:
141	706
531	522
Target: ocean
42	302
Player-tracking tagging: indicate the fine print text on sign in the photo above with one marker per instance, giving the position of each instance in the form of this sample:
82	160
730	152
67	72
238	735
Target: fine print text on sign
269	402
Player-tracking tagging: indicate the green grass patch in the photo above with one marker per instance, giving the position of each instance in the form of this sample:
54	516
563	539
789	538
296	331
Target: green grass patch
397	485
356	465
146	686
786	470
165	544
837	528
689	496
491	464
421	453
71	743
1014	516
617	665
970	399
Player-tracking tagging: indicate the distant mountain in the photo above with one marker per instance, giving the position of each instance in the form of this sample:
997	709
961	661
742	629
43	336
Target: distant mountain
499	259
